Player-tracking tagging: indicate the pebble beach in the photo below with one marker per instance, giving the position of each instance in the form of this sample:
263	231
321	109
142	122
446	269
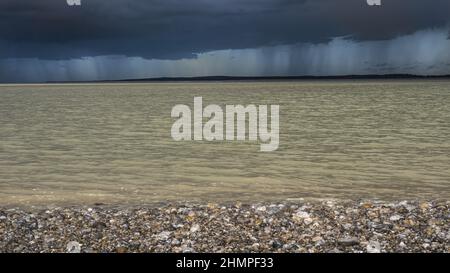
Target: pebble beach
310	227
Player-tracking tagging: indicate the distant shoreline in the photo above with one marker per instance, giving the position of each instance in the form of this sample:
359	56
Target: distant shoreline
284	78
249	78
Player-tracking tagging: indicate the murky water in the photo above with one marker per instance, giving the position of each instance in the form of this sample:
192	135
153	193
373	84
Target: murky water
112	143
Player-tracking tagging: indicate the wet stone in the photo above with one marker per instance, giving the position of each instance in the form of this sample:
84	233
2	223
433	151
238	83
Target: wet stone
294	226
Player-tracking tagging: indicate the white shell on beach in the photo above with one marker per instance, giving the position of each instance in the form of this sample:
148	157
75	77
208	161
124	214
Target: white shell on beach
73	247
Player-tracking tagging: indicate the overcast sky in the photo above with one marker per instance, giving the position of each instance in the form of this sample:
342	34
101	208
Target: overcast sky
47	40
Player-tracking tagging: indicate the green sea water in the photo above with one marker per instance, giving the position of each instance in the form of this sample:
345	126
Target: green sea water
111	143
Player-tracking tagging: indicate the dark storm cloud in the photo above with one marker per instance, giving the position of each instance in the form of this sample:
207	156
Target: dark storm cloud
173	29
425	52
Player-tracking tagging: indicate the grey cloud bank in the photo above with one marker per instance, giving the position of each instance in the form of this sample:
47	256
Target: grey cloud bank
425	52
48	40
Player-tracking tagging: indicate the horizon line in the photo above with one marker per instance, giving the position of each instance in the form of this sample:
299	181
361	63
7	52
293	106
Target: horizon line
249	78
